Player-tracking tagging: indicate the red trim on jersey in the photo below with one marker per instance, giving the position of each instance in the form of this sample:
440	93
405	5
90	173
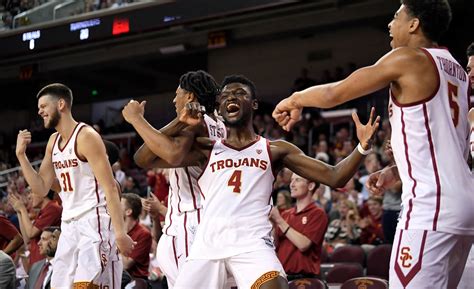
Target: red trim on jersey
244	147
179	189
395	101
405	279
97	190
185	233
191	187
410	202
435	167
101	240
469	92
59	146
113	275
75	146
199	215
174	251
170	207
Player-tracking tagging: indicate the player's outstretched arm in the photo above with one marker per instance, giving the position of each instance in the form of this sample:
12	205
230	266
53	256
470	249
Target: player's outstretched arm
360	83
41	181
169	148
92	148
315	170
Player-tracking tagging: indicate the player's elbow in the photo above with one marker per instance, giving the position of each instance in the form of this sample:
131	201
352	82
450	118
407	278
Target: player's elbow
305	246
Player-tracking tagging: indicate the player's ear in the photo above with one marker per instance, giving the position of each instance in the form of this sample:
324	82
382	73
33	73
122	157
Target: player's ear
254	104
61	104
414	24
190	97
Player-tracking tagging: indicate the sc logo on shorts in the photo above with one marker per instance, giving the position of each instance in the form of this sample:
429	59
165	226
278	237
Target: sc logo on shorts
405	257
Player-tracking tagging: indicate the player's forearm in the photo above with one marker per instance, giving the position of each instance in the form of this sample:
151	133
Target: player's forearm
115	209
322	96
159	143
32	177
346	168
156	229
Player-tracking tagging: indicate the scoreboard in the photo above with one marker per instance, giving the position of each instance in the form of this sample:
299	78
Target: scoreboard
123	23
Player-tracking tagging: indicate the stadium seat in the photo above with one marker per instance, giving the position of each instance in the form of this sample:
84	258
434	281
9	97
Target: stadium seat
366	283
378	261
307	283
349	253
138	283
341	272
324	255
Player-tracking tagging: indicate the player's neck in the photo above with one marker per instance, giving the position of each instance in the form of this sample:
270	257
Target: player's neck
66	126
303	202
420	41
240	136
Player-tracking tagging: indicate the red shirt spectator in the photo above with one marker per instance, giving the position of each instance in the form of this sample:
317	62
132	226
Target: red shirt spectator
157	180
9	233
371	225
312	223
141	252
50	215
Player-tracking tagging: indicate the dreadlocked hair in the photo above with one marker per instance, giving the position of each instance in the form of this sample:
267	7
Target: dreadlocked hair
204	87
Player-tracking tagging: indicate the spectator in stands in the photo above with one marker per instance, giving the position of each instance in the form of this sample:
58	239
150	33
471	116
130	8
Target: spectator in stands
138	261
344	230
283	201
119	175
157	180
10	238
49	215
40	272
300	231
371	225
130	186
303	81
7	272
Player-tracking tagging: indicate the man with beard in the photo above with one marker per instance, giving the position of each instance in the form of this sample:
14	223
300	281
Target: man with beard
76	156
234	236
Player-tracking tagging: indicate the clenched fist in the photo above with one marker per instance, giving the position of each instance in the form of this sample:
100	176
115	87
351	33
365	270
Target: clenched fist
22	141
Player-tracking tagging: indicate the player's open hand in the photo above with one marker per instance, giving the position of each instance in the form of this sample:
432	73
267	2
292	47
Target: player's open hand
287	112
192	113
22	141
382	180
125	244
133	111
366	133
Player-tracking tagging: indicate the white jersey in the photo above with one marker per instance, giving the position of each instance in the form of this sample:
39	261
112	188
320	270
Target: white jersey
184	193
430	141
80	191
238	187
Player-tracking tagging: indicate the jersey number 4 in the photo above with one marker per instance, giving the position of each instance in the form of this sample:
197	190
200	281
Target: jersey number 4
66	182
235	181
453	102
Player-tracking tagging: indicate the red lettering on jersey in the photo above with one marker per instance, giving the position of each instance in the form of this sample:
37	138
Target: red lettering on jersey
245	162
254	162
229	163
220	165
263	165
69	163
238	164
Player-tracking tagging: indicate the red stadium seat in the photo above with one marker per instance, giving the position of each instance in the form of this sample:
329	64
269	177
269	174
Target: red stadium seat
365	283
378	261
349	253
341	272
324	255
307	283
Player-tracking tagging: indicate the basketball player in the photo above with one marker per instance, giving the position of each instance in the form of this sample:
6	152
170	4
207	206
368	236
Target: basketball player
76	156
234	236
185	197
430	139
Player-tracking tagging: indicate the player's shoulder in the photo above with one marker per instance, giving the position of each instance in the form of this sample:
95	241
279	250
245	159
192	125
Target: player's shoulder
407	55
87	132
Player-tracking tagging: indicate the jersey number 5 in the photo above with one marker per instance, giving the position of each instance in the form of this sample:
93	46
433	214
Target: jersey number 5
236	181
66	182
453	102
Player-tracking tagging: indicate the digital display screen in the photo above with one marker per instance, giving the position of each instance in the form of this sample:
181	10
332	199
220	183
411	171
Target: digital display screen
121	24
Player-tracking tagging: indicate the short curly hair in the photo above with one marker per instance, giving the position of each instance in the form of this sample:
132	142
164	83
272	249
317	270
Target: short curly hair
204	87
434	15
